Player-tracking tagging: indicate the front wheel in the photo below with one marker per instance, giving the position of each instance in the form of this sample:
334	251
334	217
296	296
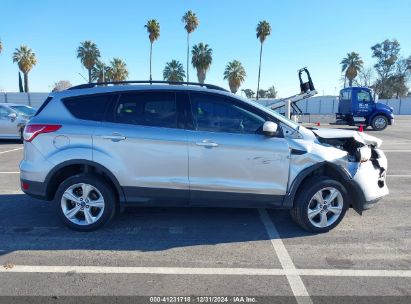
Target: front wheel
85	202
320	205
379	122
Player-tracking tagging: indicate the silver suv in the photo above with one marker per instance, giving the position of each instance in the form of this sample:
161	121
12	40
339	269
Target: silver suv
95	149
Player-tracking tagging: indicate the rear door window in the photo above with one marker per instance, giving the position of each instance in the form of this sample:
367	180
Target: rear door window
88	107
153	109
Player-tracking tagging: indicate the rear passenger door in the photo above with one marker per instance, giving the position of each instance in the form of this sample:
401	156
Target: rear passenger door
143	142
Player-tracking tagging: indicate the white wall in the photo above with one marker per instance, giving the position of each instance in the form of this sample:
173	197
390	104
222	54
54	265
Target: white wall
33	99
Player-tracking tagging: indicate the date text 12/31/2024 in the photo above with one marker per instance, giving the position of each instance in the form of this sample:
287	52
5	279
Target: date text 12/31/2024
202	299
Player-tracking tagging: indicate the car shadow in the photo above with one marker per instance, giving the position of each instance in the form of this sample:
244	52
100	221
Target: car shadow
10	141
30	224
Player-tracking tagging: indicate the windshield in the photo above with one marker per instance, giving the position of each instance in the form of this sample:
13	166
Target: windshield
24	110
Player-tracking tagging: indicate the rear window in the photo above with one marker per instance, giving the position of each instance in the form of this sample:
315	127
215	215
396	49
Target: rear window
91	107
24	110
345	95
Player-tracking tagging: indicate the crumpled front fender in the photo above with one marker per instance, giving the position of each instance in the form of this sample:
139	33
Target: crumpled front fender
334	171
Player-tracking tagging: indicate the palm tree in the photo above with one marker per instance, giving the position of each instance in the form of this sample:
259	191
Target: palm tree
100	72
201	60
263	31
117	71
271	92
351	65
26	60
235	74
191	23
89	54
153	30
174	71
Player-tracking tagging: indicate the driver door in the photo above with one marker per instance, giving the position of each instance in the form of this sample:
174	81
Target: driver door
364	103
230	162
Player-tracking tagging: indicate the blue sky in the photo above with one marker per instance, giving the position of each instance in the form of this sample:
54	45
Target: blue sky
313	33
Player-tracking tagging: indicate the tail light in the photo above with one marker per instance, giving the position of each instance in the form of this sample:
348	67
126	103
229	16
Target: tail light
31	131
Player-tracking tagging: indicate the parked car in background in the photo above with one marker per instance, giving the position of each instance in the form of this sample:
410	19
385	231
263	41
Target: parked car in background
94	149
13	118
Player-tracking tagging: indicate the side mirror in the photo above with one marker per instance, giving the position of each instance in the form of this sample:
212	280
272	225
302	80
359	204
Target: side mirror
12	116
270	128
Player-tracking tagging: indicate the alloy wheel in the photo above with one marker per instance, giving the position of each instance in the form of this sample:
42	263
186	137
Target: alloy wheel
325	207
82	204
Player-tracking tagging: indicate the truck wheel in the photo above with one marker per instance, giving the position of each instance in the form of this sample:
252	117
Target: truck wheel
320	205
379	122
85	202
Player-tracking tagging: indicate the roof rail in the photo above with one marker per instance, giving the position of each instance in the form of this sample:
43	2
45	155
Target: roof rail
95	84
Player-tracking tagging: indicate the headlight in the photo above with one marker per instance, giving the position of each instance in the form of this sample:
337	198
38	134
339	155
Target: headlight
364	154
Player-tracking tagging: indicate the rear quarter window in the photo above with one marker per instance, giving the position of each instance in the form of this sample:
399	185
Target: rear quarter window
88	107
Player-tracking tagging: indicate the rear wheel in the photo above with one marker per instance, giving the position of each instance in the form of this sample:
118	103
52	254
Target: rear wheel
85	202
320	205
379	122
21	134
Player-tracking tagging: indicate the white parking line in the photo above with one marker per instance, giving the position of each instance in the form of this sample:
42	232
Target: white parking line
398	175
398	151
2	152
9	172
9	268
297	285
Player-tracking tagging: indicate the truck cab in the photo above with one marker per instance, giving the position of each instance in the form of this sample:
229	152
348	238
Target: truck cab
359	106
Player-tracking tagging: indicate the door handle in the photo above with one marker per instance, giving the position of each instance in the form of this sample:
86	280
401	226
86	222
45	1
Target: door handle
207	143
114	137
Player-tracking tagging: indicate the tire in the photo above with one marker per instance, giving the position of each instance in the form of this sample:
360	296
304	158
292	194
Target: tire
85	213
379	123
307	199
21	135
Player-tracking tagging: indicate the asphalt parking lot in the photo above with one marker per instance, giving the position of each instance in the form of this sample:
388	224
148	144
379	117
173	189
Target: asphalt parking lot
211	252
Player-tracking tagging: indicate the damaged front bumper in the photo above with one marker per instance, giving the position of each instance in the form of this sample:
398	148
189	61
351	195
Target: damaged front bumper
351	157
370	178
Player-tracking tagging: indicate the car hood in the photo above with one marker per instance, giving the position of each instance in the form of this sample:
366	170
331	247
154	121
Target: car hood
358	136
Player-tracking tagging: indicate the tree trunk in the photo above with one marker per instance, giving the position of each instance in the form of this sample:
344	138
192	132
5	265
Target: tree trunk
201	74
259	69
89	75
26	82
345	80
151	50
350	82
233	87
188	55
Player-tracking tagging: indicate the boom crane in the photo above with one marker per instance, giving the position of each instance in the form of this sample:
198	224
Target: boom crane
307	90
